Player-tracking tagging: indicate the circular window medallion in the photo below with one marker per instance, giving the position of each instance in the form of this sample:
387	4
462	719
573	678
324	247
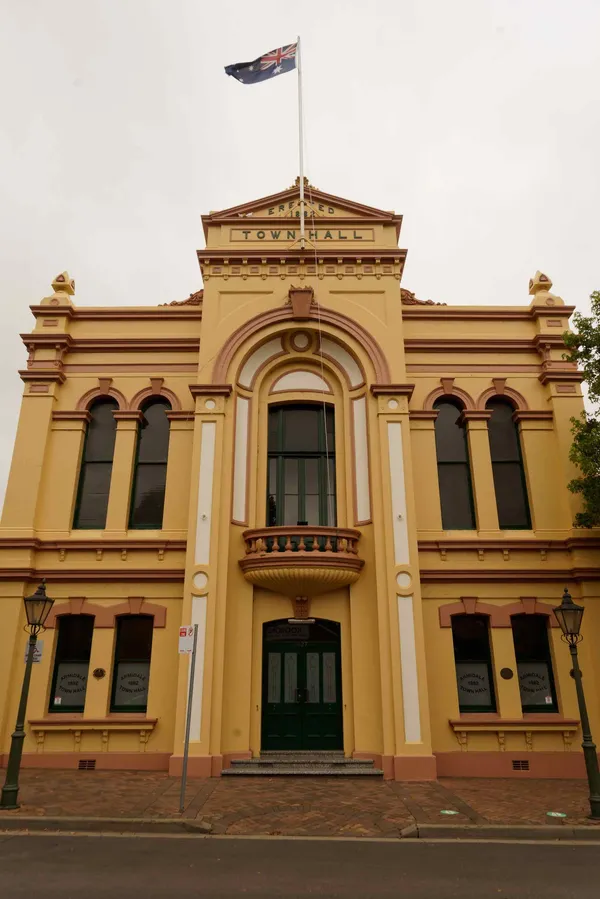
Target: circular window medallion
99	673
403	579
506	673
392	404
210	404
300	341
200	580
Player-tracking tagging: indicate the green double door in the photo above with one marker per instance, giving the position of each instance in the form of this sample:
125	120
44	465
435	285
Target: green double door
302	696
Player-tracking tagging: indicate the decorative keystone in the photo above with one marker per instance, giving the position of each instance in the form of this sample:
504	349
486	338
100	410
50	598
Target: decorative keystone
301	299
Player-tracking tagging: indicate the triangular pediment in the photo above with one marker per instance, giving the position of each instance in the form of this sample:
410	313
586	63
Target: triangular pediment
285	205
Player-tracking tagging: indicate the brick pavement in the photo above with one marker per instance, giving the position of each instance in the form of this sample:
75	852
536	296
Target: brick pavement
301	806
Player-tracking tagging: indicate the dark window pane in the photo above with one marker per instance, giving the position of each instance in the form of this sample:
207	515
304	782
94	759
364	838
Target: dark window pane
93	499
71	663
101	432
511	498
148	496
475	683
450	438
154	433
291	511
301	430
132	663
74	638
274	422
534	663
330	428
134	637
470	634
504	437
455	496
96	466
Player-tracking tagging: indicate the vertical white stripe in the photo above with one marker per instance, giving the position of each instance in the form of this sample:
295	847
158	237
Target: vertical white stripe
198	617
408	665
205	492
400	525
361	460
240	465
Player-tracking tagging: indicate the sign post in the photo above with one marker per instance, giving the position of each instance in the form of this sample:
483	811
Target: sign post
188	637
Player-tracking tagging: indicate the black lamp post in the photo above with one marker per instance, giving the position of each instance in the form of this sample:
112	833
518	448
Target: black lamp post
569	616
37	608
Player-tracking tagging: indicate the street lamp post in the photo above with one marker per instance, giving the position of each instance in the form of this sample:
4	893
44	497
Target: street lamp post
569	616
37	608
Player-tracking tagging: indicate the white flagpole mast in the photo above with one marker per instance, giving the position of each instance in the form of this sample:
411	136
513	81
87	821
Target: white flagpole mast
301	142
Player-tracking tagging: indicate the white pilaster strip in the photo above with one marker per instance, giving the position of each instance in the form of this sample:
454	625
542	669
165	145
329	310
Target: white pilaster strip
198	617
240	464
400	525
361	460
205	492
408	665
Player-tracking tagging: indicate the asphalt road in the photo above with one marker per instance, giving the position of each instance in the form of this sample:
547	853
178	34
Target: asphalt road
71	867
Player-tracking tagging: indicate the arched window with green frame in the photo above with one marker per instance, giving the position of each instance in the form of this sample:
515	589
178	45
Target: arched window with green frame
301	460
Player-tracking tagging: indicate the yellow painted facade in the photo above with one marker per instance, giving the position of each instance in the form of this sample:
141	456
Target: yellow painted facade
277	324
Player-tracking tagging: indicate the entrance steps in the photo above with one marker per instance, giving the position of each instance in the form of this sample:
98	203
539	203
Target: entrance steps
302	764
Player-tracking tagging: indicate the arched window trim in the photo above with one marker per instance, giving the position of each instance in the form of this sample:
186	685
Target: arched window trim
506	400
85	468
453	400
134	523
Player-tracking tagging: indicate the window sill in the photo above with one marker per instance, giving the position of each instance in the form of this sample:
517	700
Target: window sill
491	722
77	724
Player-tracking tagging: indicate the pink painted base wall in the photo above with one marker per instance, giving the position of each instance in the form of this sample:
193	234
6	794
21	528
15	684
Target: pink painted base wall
499	764
105	761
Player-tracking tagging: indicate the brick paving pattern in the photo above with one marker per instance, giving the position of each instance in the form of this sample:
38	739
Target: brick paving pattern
301	806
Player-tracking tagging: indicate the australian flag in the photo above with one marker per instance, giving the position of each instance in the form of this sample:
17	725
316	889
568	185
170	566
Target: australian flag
276	62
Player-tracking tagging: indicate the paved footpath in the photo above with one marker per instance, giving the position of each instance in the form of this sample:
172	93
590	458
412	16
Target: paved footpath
67	867
301	806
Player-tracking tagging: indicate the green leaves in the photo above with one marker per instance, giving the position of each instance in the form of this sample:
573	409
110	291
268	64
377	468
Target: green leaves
584	349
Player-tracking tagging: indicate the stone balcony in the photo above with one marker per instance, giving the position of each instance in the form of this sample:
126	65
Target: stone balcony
301	561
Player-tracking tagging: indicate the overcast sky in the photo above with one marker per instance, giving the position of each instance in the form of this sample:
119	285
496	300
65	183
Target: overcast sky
478	120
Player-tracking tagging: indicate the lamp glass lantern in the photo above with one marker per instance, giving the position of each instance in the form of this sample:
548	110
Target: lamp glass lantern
37	608
569	616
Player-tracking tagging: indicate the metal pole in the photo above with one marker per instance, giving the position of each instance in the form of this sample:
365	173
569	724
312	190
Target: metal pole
589	747
10	790
188	721
301	142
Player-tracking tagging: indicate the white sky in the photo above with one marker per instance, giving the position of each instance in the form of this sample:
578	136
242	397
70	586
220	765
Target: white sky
477	119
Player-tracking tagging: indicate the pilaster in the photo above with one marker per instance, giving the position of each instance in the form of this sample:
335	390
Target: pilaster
428	505
484	493
549	507
61	472
117	516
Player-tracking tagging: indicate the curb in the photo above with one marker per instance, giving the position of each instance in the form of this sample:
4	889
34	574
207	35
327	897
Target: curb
545	832
104	825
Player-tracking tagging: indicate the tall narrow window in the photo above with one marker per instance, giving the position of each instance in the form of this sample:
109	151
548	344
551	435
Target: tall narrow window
71	663
131	672
472	656
150	477
96	466
454	471
534	663
507	465
301	451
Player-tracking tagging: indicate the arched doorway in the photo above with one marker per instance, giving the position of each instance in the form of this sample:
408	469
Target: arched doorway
301	686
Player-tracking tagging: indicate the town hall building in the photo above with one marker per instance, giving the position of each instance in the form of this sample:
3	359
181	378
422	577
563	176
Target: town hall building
358	496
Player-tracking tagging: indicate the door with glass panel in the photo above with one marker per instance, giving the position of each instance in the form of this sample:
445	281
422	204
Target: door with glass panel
301	476
302	700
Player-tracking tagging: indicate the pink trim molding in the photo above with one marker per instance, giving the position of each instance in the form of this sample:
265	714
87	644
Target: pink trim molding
499	764
113	761
105	615
499	615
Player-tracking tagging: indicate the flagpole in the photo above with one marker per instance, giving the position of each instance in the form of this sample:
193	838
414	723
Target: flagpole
301	143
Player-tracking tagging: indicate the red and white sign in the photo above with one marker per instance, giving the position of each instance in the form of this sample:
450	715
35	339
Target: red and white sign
186	639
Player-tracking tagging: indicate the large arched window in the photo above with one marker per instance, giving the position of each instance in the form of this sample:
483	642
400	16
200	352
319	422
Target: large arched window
96	466
454	470
301	450
150	476
507	465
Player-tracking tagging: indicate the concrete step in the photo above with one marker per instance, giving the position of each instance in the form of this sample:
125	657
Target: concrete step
303	764
300	771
